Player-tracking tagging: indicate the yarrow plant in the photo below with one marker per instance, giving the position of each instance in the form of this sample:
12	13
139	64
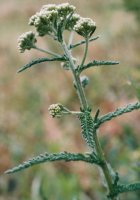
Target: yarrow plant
52	20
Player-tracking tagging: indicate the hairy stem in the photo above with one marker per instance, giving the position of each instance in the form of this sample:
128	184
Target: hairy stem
85	52
46	51
80	90
70	38
104	166
84	105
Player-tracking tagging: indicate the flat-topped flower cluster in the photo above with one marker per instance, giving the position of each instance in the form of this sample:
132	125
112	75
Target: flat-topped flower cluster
26	41
52	20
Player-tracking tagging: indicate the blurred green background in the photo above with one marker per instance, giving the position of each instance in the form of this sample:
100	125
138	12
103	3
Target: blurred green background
26	129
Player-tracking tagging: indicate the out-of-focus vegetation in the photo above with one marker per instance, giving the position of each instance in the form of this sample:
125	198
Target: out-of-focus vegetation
26	129
133	6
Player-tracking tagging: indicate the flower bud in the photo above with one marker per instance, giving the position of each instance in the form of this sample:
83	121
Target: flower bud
85	27
26	41
72	21
84	81
65	9
49	7
56	110
43	21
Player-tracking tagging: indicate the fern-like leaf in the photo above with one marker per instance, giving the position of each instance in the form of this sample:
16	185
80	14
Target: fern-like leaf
82	42
128	187
122	188
117	112
66	156
96	63
40	60
87	128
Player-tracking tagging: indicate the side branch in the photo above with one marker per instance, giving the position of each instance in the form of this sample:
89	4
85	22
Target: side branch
40	60
117	112
90	158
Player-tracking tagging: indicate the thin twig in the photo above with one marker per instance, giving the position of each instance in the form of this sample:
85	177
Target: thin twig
47	51
85	53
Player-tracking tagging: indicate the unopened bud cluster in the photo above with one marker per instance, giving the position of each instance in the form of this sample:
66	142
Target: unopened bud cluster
47	20
26	41
84	81
85	27
56	110
52	20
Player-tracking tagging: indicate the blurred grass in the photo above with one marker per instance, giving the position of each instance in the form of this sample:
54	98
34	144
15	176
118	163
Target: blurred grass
26	129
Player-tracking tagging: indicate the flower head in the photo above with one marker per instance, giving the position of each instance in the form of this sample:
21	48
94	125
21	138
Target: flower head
85	27
72	21
47	19
43	21
49	7
26	41
56	110
65	9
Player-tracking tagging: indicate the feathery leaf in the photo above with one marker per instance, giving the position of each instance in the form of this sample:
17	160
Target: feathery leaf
121	188
128	187
90	158
40	60
117	112
96	63
87	128
82	42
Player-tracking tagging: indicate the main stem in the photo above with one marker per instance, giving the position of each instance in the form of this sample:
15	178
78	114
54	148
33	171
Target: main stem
79	88
84	105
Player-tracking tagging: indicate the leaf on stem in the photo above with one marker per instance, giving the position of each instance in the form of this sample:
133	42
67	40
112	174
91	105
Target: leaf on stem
96	115
122	188
87	128
82	42
90	158
117	112
128	187
96	63
40	60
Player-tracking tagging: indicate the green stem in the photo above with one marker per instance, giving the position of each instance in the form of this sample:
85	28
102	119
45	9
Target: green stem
85	52
84	105
46	51
70	39
104	166
80	90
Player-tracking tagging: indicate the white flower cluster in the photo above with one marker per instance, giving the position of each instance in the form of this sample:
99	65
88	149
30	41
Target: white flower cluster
49	7
26	41
85	27
72	21
52	20
55	110
65	9
46	21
